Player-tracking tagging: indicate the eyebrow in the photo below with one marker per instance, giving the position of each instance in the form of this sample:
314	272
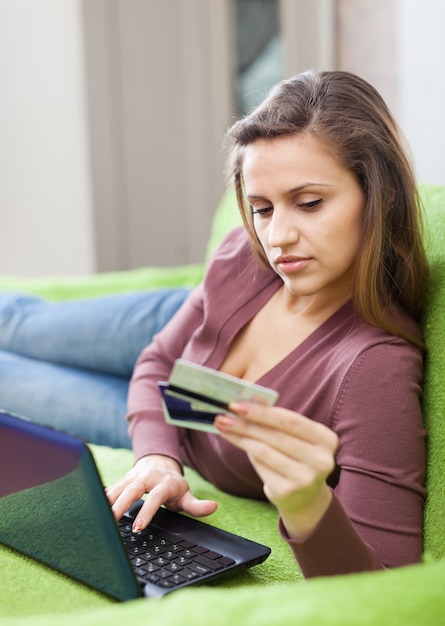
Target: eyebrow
294	190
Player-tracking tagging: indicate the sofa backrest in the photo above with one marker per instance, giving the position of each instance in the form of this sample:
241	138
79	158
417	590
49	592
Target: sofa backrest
433	325
227	216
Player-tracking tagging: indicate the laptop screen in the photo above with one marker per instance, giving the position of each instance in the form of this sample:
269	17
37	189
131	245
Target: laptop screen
47	512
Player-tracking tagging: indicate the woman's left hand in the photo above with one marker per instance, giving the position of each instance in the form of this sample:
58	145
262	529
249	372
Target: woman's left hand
293	456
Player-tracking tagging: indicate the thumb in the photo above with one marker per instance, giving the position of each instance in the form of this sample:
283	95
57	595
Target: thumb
198	508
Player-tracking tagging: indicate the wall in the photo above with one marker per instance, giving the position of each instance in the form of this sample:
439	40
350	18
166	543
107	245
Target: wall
421	53
45	200
367	44
76	184
398	45
136	180
159	101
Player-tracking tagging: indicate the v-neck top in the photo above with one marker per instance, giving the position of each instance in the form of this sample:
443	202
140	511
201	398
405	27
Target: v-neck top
358	380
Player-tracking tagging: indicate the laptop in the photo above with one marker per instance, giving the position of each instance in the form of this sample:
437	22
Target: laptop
53	508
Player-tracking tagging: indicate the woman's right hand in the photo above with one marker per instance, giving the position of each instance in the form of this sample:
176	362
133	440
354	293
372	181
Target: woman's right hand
160	477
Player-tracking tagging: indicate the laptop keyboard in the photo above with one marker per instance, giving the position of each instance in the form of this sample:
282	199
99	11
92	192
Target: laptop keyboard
158	560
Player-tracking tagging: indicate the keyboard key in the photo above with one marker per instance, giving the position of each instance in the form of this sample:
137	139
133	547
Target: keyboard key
189	554
152	578
175	567
176	547
199	569
151	567
211	565
199	549
225	560
149	556
189	574
169	555
213	555
177	579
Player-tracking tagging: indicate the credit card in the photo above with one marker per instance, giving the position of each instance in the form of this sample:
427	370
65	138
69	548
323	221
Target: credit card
194	395
181	410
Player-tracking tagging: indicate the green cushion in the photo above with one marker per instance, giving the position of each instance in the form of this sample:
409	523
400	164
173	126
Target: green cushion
227	216
105	283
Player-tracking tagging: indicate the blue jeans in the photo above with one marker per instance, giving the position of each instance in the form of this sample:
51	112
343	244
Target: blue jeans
68	364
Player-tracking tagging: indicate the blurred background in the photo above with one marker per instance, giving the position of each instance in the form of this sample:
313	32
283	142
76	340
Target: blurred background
112	112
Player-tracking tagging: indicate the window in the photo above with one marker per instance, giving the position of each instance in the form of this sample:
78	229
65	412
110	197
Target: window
259	62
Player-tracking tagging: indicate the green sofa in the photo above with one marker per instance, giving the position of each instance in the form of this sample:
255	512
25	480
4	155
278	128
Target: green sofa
272	593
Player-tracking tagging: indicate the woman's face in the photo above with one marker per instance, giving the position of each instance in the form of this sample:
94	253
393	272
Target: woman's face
307	213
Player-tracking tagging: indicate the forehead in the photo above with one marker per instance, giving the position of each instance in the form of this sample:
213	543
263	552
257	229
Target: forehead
301	157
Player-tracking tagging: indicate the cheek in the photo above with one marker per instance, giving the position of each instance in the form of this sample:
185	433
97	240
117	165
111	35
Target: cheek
356	224
341	233
261	231
350	233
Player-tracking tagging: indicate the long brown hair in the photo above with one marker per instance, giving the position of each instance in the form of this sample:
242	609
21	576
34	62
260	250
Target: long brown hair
350	117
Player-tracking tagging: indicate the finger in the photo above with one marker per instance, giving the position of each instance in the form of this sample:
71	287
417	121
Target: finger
261	441
198	508
283	420
152	503
134	490
283	456
187	503
271	465
114	491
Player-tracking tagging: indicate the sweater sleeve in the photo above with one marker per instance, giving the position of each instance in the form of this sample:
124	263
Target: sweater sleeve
375	517
149	431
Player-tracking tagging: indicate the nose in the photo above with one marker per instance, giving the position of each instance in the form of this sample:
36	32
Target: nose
282	230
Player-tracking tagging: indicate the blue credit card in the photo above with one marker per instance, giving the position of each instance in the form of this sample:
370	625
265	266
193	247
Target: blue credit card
188	412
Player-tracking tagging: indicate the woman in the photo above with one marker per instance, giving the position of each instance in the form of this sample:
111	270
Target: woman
317	297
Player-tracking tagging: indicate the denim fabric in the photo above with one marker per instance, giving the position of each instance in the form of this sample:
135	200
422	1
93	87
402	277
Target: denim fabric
68	364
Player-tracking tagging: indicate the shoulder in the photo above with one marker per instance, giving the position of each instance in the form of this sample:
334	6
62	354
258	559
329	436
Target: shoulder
235	279
370	362
391	361
361	338
382	375
348	339
234	258
235	243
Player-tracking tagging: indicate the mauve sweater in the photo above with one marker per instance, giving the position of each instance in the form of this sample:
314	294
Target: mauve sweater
360	381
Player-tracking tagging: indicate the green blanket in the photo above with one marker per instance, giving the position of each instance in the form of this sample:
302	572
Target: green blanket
272	593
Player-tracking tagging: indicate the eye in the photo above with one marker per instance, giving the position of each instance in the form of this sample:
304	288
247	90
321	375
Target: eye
262	211
308	206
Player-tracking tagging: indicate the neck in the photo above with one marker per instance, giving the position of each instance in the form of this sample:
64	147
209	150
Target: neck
313	305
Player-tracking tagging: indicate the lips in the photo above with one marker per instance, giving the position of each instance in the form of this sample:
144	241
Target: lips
289	264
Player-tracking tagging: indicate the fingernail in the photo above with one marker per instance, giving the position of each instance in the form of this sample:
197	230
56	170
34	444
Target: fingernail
239	408
138	524
224	421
